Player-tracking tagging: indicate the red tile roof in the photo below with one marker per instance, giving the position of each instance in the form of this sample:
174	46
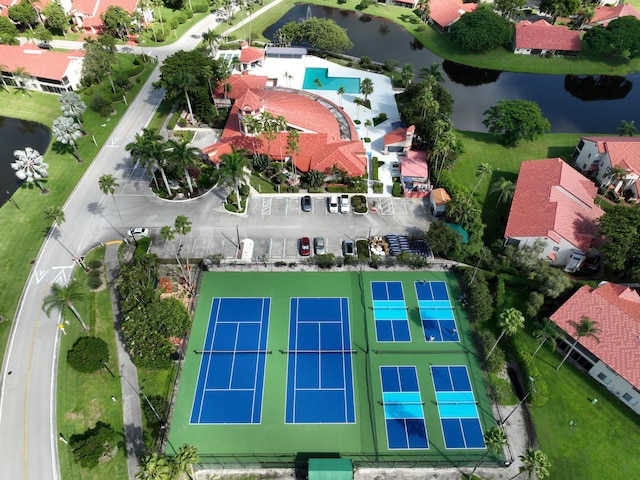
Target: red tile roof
240	84
603	15
321	145
544	36
446	12
36	61
623	151
399	135
92	9
414	164
553	200
440	196
617	310
250	54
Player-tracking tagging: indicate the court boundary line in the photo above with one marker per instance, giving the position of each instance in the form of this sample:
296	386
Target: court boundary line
450	307
406	308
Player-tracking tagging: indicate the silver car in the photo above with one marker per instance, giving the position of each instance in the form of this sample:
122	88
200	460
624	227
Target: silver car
318	246
348	248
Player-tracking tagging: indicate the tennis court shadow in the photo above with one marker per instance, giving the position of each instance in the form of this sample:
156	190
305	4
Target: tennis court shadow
413	314
302	462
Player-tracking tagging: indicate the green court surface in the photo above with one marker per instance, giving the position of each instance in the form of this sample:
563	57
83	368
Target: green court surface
272	442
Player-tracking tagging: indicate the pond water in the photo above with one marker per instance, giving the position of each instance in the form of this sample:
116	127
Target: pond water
16	135
577	104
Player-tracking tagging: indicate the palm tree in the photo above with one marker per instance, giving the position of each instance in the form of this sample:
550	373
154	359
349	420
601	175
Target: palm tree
147	149
427	100
314	178
233	170
510	322
432	72
72	106
155	467
318	84
67	132
293	146
20	76
536	464
158	4
505	187
615	174
406	75
366	87
481	170
424	8
547	332
584	328
341	91
61	297
211	38
182	226
494	440
108	185
184	459
29	166
168	234
627	128
182	156
55	215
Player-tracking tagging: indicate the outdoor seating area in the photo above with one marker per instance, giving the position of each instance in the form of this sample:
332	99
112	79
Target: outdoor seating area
397	244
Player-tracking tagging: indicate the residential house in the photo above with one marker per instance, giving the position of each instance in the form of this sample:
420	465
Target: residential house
414	174
399	140
250	57
30	67
236	86
438	200
604	14
611	161
542	38
328	136
87	13
614	361
445	13
553	206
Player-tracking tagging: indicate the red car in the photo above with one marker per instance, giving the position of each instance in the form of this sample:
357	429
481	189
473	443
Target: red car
305	246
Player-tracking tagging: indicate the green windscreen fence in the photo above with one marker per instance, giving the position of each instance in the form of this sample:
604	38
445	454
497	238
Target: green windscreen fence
330	469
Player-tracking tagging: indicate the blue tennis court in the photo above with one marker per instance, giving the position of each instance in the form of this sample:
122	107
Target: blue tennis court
457	407
231	375
319	364
436	312
403	411
390	312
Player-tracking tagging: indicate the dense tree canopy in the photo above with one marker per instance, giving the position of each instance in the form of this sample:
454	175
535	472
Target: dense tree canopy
620	228
8	32
509	7
23	13
481	30
620	37
516	120
560	8
98	62
321	33
116	21
57	20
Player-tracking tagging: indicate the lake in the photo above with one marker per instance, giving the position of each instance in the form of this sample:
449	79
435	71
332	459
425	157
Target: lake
584	104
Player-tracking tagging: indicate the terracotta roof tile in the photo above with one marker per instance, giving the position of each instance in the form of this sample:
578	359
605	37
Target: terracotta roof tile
36	61
617	310
440	196
92	9
553	200
605	14
414	164
240	84
623	151
446	12
250	54
544	36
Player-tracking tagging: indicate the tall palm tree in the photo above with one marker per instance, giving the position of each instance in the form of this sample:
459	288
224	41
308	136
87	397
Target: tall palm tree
30	167
211	38
449	143
159	4
627	128
61	297
168	234
584	328
184	459
314	178
155	467
182	226
505	187
548	333
481	170
20	75
340	92
108	185
366	87
494	440
406	75
510	322
293	146
55	216
67	132
72	106
233	170
181	156
432	71
535	464
148	149
427	100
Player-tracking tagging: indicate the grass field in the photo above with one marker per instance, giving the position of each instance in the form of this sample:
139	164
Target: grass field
365	441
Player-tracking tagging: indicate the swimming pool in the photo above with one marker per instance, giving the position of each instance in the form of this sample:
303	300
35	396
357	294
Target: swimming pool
350	84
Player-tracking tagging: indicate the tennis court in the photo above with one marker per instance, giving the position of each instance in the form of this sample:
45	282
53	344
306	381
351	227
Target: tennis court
457	407
319	367
390	312
231	378
436	312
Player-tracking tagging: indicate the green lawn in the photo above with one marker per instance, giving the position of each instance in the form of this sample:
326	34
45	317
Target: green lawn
82	398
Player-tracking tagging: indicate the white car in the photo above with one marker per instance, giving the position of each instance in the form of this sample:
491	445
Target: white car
138	233
333	204
345	204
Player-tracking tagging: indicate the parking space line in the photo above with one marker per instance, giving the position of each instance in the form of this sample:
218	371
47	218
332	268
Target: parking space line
266	206
284	248
270	246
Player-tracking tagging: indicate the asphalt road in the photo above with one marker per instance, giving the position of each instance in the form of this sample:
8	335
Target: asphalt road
28	433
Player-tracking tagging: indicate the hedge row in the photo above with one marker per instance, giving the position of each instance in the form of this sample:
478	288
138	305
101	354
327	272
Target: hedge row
521	354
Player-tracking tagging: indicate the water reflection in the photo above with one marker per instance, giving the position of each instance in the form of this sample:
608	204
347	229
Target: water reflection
603	87
469	76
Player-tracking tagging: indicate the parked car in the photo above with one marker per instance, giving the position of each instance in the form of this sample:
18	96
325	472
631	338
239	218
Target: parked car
348	248
333	204
305	246
345	204
45	46
318	246
138	233
306	203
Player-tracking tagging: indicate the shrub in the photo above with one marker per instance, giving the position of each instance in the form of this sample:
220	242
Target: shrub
87	354
485	340
500	292
326	260
161	407
521	354
479	296
161	37
101	105
535	302
396	190
89	447
95	264
200	8
350	260
94	280
378	187
174	23
182	122
412	260
359	203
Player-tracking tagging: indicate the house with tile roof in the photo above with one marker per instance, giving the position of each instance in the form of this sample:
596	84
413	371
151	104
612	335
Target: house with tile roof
614	361
597	156
553	206
87	13
399	140
445	13
438	200
604	14
235	86
328	136
542	38
41	70
250	57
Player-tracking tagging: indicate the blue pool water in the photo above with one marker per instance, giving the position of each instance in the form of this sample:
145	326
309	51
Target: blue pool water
350	84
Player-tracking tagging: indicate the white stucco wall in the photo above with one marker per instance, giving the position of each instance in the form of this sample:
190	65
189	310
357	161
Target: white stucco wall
562	254
616	385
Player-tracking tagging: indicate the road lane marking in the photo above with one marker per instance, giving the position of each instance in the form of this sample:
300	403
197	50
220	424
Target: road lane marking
40	274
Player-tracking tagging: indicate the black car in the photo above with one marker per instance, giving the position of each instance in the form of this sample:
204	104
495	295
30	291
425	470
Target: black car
45	46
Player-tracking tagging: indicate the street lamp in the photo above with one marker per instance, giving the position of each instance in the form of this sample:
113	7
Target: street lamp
533	389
